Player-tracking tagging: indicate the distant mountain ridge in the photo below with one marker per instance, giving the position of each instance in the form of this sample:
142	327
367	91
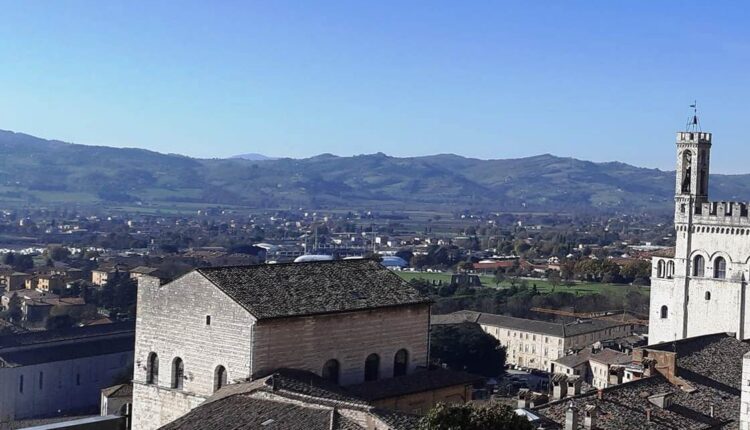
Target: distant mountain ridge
254	156
35	171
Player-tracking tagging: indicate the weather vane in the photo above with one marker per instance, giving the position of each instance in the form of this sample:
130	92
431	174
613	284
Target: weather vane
693	124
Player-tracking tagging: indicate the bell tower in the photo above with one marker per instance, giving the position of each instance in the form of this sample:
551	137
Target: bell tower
693	153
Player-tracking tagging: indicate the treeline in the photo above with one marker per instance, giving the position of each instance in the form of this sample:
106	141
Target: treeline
518	300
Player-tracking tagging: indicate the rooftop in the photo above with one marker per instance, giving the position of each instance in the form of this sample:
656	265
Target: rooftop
320	287
412	383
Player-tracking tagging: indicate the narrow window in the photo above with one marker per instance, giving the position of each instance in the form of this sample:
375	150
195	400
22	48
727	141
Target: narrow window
152	369
220	377
372	367
664	312
660	269
670	269
331	371
178	373
720	268
708	295
20	384
400	363
699	266
208	319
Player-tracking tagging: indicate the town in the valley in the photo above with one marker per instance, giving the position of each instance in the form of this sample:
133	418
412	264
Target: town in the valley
328	319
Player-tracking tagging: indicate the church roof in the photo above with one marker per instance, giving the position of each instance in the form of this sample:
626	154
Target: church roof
319	287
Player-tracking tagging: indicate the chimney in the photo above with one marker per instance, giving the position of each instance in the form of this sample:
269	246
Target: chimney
648	415
600	394
559	386
590	413
523	398
571	417
711	411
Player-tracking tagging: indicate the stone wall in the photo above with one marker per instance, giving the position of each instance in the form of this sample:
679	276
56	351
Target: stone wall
172	323
306	343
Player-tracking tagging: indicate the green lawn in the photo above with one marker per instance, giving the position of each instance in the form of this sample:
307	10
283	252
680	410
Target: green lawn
541	284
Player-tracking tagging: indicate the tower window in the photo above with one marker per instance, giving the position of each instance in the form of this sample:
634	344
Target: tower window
660	269
664	312
708	295
699	266
670	269
720	268
208	319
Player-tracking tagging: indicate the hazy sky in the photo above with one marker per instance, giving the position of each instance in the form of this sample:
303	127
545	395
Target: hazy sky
599	80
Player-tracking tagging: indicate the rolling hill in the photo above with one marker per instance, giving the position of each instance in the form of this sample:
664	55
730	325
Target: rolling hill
37	171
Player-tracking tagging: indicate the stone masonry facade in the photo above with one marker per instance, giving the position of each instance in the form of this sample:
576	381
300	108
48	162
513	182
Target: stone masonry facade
192	319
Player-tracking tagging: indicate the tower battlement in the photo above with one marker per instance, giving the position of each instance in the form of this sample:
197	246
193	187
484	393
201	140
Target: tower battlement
724	214
693	137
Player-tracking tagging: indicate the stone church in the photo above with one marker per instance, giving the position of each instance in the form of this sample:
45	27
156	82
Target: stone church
348	322
701	288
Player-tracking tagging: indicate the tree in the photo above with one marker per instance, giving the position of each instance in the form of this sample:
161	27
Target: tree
467	347
15	313
59	253
499	277
554	279
473	417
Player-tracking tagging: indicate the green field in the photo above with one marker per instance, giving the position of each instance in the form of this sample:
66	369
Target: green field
541	284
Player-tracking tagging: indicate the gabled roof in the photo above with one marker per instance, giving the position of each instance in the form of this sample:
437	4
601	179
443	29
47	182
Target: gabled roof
319	287
417	382
288	399
549	328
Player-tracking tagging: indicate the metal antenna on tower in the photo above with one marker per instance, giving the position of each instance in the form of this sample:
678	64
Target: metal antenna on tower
693	124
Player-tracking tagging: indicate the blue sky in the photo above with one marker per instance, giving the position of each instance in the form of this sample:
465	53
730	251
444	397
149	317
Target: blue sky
598	80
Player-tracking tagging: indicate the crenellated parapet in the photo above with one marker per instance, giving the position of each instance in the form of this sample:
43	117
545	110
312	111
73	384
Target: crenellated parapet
723	214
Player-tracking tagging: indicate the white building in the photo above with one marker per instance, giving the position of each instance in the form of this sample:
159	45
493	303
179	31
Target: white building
50	373
701	288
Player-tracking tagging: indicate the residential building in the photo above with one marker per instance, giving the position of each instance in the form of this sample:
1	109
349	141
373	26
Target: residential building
12	281
693	383
537	344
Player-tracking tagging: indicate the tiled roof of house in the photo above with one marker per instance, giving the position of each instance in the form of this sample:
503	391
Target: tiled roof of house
412	383
711	365
610	356
297	289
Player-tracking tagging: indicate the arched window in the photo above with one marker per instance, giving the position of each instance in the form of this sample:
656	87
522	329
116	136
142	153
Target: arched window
152	369
664	312
660	269
331	371
220	377
178	373
708	295
372	367
720	268
699	266
400	362
670	269
687	168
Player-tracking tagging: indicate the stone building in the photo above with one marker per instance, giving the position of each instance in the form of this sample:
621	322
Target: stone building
347	321
52	373
701	287
537	344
